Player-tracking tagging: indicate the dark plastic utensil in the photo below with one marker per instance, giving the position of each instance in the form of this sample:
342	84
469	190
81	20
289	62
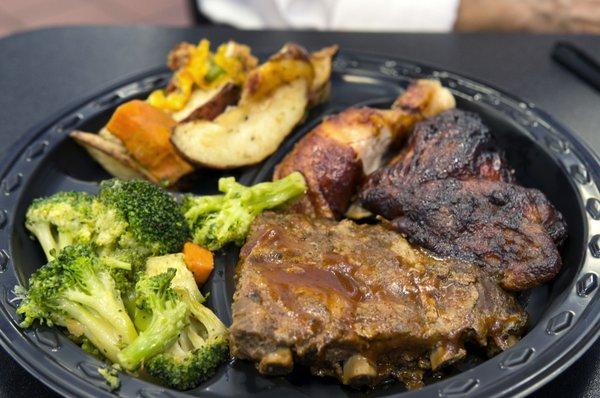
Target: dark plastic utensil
578	62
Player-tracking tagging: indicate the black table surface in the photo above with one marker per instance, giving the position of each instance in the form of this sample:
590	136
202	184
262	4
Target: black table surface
43	71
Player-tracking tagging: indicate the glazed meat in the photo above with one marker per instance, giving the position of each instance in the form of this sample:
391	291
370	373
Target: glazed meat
451	191
337	154
359	303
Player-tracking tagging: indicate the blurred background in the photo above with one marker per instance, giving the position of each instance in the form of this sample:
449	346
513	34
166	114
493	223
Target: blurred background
576	16
17	15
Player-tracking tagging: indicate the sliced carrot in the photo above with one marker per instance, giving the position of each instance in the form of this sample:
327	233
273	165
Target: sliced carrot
146	133
198	260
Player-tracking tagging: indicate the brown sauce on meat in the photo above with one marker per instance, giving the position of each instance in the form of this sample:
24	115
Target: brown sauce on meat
288	282
332	280
329	291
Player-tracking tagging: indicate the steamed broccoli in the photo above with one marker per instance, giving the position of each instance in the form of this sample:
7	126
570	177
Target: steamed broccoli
77	291
151	213
219	219
190	361
167	316
111	376
126	222
61	220
202	345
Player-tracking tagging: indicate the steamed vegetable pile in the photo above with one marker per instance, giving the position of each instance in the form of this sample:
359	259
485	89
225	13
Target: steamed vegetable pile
122	272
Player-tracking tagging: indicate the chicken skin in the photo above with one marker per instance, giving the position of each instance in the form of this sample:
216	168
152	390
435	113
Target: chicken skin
336	156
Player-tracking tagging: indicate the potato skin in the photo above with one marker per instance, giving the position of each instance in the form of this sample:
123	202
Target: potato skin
243	135
227	96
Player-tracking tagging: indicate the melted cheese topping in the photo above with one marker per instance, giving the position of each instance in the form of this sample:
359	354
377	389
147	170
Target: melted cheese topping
204	70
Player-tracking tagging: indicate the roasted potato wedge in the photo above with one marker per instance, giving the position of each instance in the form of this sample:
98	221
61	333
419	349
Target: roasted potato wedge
292	62
243	135
274	99
207	105
322	62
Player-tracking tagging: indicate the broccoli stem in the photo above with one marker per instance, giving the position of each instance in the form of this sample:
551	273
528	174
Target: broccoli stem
112	315
176	349
210	321
268	195
110	307
64	240
95	328
112	262
160	333
195	339
43	233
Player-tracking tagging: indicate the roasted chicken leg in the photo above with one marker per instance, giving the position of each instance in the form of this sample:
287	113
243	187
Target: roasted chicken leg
336	156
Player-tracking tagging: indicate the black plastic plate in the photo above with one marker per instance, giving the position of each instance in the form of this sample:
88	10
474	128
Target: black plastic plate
564	315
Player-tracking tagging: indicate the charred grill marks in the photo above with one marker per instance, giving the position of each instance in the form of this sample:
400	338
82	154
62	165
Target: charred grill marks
451	191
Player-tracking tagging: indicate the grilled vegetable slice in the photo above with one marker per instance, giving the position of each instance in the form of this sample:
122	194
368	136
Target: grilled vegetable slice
145	131
112	155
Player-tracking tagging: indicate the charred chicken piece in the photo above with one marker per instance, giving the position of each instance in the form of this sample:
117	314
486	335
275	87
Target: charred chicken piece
451	191
337	154
359	303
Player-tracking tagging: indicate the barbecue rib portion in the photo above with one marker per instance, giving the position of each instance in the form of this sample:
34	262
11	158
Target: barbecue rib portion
337	154
451	191
357	302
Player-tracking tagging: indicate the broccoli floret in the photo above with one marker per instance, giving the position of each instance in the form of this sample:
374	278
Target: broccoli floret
127	221
77	291
61	220
152	214
111	375
219	219
202	345
167	316
184	367
68	218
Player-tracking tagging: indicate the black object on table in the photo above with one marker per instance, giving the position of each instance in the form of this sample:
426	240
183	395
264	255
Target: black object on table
579	62
43	71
